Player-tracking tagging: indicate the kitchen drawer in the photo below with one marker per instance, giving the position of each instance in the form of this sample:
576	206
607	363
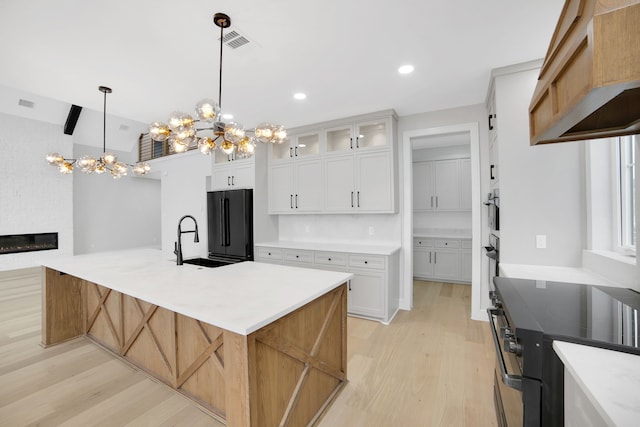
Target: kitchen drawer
422	242
466	244
331	258
447	243
270	254
367	261
294	255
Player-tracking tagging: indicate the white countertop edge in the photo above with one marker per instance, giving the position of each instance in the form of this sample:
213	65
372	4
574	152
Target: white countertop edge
554	274
443	233
359	248
610	380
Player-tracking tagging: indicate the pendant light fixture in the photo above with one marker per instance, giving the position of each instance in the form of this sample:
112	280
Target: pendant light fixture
107	162
181	132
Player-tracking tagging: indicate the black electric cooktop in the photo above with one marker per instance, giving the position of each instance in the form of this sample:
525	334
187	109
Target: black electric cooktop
600	316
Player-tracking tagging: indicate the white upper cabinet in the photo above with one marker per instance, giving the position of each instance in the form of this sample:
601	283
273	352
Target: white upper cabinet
442	185
336	167
359	136
230	173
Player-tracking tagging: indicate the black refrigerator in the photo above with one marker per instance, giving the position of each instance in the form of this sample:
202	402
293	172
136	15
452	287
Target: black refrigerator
230	224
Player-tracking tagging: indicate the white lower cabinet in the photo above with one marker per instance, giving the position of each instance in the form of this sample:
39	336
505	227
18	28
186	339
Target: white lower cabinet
442	259
366	293
373	292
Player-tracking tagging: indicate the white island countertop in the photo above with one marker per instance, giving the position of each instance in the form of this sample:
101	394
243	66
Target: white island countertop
241	298
609	379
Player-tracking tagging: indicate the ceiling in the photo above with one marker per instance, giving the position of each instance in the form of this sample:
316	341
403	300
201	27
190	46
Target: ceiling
161	55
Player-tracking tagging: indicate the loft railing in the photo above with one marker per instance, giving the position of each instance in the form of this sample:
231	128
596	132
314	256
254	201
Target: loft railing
149	149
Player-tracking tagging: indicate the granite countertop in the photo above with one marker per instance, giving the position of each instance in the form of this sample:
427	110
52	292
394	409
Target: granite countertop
609	379
373	249
443	233
241	297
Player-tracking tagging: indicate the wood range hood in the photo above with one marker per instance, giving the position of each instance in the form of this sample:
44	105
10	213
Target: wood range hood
589	83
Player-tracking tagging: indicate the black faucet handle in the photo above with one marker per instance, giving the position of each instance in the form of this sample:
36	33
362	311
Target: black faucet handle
175	248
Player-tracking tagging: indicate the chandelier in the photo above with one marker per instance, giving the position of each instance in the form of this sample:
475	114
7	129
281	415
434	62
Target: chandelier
181	132
107	162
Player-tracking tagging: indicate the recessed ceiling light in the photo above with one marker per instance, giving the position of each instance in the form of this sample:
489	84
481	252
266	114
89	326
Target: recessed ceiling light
300	95
406	69
227	116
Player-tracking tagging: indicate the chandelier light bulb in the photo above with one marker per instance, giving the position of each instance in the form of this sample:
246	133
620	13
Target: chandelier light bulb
54	159
141	168
227	147
65	167
206	145
207	110
159	131
100	167
109	158
234	132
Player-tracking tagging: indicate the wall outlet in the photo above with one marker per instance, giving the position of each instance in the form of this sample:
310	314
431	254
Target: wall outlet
371	230
541	241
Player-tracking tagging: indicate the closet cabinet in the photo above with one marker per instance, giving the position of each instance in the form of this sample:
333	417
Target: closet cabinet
442	185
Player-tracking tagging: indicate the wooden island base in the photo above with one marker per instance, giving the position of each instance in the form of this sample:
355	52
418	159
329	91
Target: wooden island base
284	374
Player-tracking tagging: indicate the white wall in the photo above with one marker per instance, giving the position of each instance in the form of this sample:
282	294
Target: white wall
341	228
183	192
112	214
34	197
541	187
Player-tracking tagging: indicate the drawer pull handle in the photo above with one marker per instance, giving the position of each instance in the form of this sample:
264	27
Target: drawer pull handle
366	262
329	259
297	256
269	254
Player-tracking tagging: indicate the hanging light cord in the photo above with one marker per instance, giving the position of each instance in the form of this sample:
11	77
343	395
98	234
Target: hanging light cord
220	82
104	123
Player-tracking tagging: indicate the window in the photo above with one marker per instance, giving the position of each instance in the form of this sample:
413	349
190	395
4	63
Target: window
625	194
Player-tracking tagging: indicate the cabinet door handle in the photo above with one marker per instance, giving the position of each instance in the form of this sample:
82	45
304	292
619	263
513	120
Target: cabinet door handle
357	142
432	201
291	200
358	199
296	151
429	257
435	257
228	181
296	201
491	171
352	199
351	143
436	201
232	179
290	152
491	116
349	284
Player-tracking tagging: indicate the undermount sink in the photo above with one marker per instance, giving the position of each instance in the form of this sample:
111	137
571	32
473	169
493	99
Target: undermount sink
205	262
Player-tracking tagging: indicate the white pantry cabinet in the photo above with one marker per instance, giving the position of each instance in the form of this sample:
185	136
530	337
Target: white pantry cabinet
442	185
442	259
373	293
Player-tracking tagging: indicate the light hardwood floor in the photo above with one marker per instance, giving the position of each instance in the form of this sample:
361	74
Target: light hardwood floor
431	367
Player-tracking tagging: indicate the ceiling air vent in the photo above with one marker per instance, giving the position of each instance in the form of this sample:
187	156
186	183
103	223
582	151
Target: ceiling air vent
25	103
234	39
124	127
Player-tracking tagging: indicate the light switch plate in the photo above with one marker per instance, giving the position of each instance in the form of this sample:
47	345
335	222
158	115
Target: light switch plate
371	230
541	241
